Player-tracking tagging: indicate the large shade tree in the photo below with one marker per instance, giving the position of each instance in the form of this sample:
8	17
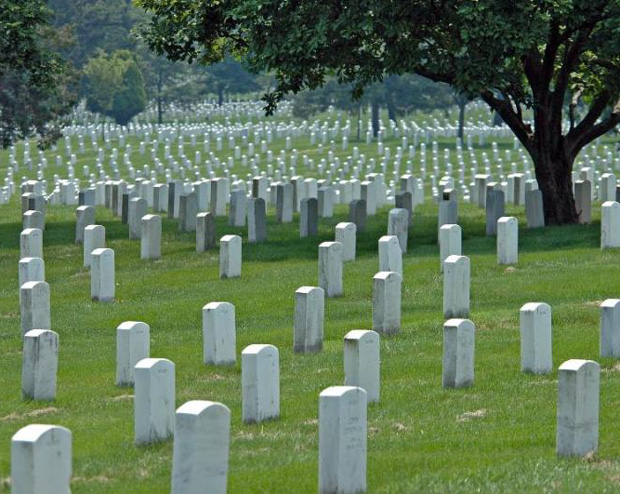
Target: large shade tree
34	82
514	54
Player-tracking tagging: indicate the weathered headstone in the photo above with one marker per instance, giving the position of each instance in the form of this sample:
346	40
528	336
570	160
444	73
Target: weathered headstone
284	203
201	446
188	209
342	440
40	365
230	256
536	346
398	225
31	243
205	232
494	210
610	225
154	395
357	214
85	217
260	383
578	408
386	297
35	306
456	272
41	460
610	328
308	218
309	319
583	200
219	335
346	234
330	268
257	221
137	209
102	279
30	269
94	238
150	242
33	219
507	240
362	362
218	196
450	242
534	209
132	345
237	208
404	200
390	255
458	353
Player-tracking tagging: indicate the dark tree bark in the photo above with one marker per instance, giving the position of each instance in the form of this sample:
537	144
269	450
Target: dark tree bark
461	131
374	117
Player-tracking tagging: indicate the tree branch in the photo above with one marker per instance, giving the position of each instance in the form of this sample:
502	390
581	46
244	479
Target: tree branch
573	104
596	110
516	124
596	131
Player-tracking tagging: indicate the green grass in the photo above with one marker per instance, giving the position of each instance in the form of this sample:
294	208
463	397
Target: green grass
419	438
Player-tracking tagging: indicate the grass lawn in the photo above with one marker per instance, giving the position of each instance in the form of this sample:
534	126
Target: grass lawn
498	436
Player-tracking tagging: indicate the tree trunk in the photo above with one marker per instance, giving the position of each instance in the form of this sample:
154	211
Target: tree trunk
462	105
554	167
160	86
220	95
374	108
359	119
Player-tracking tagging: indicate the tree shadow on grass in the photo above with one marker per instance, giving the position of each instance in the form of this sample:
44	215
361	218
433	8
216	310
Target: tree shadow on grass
283	241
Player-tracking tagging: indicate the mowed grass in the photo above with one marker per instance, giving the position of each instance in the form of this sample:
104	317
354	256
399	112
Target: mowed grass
498	436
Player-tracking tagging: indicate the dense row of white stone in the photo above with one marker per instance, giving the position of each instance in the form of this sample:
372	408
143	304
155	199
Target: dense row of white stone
41	455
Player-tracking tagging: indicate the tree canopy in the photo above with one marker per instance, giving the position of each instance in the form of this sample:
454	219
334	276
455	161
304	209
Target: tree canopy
514	54
34	81
114	86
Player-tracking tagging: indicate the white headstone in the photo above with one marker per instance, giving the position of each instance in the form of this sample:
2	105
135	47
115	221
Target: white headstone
458	353
450	242
31	243
150	242
40	365
535	327
386	297
41	460
30	269
342	440
346	235
456	274
230	256
330	268
94	238
610	328
362	362
218	330
201	445
260	383
309	319
85	216
35	306
102	284
610	225
398	225
507	240
390	254
153	400
132	345
578	408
